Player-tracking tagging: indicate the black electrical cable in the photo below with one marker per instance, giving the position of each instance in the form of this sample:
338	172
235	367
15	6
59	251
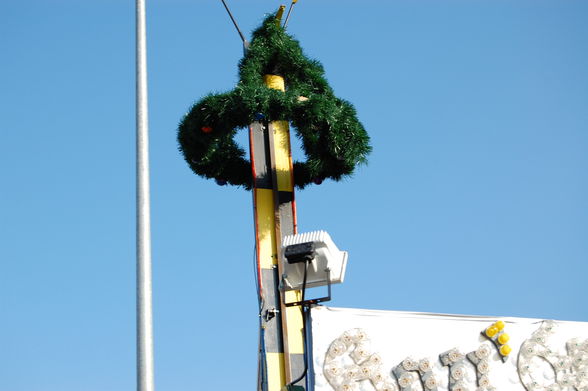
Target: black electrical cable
261	373
305	312
263	363
258	286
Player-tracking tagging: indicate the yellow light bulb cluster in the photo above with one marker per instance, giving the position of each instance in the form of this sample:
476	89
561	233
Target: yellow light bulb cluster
495	332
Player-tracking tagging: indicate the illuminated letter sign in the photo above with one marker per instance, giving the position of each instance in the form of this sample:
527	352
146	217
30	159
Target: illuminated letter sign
362	350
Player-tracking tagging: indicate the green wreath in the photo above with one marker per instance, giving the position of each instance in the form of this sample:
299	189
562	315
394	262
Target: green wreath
333	139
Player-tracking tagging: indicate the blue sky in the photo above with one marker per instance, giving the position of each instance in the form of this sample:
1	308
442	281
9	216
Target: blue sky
474	201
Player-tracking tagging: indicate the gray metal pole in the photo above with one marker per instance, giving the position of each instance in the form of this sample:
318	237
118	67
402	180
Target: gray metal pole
144	307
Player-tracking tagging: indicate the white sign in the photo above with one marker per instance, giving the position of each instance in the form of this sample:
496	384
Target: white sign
367	350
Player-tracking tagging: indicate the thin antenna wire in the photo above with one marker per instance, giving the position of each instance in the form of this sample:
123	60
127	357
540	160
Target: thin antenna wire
144	292
245	43
289	12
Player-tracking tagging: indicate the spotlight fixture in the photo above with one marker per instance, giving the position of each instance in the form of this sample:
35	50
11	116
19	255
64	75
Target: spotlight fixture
311	260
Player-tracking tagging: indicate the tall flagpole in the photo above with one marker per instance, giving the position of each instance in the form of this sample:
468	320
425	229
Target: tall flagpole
144	307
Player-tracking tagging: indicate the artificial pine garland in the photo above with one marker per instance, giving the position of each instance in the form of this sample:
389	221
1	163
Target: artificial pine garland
333	139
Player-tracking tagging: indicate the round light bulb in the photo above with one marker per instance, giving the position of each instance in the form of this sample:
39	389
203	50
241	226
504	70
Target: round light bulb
548	326
424	365
375	359
457	372
491	331
409	364
405	380
483	351
332	371
505	350
337	348
348	338
483	366
503	338
431	383
378	376
499	325
484	382
347	386
454	356
539	338
361	352
459	386
360	335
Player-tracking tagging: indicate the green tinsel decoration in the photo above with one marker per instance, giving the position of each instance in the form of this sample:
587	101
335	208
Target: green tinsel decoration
333	139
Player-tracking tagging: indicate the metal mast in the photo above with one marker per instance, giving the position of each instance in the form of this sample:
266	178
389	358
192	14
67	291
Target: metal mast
144	306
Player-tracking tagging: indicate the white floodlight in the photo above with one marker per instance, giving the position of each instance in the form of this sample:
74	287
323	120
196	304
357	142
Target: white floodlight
314	251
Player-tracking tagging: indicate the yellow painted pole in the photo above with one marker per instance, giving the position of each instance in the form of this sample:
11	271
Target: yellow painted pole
276	217
283	179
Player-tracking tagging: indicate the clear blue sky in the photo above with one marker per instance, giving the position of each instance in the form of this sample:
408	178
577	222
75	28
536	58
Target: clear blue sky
475	199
